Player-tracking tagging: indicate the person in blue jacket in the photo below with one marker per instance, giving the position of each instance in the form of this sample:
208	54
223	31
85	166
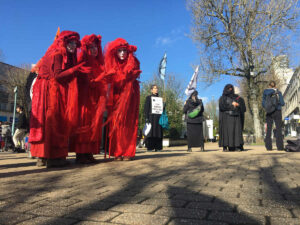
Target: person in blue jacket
275	116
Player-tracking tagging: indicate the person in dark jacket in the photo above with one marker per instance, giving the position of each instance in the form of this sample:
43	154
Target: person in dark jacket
20	132
154	138
242	106
230	123
275	116
195	124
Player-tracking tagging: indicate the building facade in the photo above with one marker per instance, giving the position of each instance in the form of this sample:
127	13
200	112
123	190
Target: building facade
291	110
6	96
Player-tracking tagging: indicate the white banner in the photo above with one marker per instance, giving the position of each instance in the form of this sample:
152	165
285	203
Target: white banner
157	105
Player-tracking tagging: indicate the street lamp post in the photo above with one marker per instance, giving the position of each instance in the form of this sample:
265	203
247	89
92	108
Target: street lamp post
14	116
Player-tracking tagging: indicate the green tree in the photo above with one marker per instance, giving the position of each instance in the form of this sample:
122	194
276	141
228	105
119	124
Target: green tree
173	95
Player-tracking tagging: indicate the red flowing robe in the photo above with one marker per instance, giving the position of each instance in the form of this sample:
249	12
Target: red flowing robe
91	105
125	113
50	125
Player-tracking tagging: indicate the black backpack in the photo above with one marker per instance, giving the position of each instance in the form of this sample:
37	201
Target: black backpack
293	146
271	102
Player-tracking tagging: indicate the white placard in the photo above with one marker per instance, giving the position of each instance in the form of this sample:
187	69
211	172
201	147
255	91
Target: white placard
157	105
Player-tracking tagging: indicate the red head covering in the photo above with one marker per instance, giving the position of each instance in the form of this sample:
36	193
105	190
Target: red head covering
86	41
112	61
59	45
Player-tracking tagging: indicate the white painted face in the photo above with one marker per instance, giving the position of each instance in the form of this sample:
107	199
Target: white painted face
71	46
122	53
93	49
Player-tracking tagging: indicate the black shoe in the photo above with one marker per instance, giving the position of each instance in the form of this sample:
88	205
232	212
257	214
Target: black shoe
189	150
225	149
202	149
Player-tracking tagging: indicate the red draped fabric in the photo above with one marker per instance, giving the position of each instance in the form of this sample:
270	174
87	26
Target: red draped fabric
54	105
124	99
91	100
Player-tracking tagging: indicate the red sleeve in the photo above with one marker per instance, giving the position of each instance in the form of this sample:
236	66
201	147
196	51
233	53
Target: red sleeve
59	73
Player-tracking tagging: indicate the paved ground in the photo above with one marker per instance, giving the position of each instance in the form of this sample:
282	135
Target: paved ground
169	187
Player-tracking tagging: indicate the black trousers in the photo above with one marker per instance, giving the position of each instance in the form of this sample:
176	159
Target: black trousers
154	143
277	118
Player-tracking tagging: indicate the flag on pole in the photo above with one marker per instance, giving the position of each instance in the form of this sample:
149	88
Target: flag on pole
193	83
162	67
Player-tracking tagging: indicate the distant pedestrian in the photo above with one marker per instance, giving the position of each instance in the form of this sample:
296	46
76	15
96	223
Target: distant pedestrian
230	123
154	138
193	108
272	102
242	107
21	130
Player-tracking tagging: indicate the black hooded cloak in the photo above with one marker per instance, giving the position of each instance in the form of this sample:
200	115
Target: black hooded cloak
194	125
230	121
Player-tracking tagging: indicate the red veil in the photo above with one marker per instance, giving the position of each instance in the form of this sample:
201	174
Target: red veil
124	98
53	108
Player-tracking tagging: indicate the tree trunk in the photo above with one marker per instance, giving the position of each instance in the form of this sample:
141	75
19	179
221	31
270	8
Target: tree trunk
255	110
256	122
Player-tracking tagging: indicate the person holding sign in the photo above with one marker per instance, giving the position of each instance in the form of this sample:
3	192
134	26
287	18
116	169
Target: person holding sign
193	108
153	109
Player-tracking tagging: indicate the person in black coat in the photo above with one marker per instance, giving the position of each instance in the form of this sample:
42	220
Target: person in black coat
243	110
154	138
230	122
195	124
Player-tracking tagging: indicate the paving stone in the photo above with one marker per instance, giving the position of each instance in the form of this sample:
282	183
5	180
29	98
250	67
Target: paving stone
181	213
193	197
235	188
164	202
296	212
7	218
210	206
136	218
284	221
281	204
237	218
182	221
24	198
97	205
48	221
93	215
134	208
19	207
266	211
93	223
58	202
53	211
155	195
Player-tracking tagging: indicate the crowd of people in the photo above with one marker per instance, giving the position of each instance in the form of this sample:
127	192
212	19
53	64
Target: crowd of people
232	110
77	83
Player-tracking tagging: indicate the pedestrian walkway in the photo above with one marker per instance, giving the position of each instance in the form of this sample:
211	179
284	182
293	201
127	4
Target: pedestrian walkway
169	187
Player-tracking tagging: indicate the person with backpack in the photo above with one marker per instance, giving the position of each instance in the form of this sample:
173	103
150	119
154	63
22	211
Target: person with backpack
272	102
